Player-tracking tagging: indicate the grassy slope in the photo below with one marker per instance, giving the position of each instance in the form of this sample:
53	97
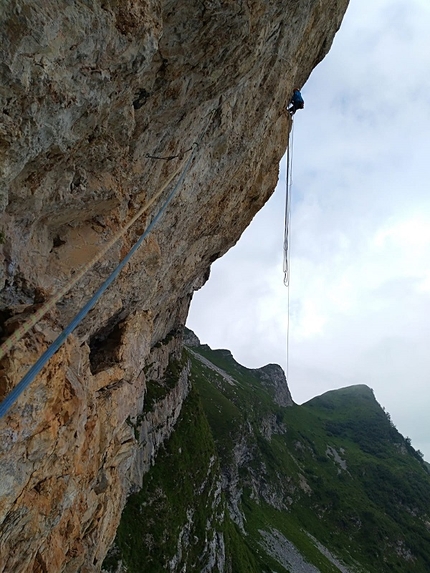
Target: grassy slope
231	411
383	498
373	513
182	483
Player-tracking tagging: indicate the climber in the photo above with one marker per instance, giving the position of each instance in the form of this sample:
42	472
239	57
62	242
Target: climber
297	102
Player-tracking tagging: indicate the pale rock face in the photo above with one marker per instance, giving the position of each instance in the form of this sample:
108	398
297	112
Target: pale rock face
273	378
88	90
190	339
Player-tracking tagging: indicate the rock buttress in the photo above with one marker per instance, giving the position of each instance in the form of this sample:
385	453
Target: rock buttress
88	91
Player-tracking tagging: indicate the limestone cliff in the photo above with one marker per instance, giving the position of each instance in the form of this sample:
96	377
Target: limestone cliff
89	89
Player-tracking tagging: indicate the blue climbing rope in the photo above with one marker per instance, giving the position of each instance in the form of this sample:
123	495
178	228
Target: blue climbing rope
16	392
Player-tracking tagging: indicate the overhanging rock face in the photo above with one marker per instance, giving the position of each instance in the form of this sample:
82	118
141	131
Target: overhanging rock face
88	91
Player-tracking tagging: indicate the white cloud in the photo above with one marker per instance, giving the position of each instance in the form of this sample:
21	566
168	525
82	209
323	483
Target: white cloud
360	234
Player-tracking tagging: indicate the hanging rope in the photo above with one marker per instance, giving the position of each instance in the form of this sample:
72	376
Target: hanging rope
287	227
287	219
12	397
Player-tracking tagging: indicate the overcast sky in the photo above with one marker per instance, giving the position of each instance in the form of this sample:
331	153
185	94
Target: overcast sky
360	231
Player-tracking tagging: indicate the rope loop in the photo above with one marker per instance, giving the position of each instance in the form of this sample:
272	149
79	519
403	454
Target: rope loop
287	223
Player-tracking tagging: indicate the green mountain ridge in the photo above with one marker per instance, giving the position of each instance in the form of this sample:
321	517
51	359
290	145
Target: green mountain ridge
251	482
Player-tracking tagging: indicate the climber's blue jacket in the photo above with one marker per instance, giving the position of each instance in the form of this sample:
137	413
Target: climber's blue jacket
297	98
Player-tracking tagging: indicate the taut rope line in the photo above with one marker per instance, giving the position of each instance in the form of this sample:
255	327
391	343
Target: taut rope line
13	396
49	305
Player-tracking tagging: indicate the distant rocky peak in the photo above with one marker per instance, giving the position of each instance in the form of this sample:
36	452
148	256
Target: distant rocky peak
273	378
190	339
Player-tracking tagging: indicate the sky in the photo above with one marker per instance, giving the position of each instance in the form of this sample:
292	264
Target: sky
359	296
